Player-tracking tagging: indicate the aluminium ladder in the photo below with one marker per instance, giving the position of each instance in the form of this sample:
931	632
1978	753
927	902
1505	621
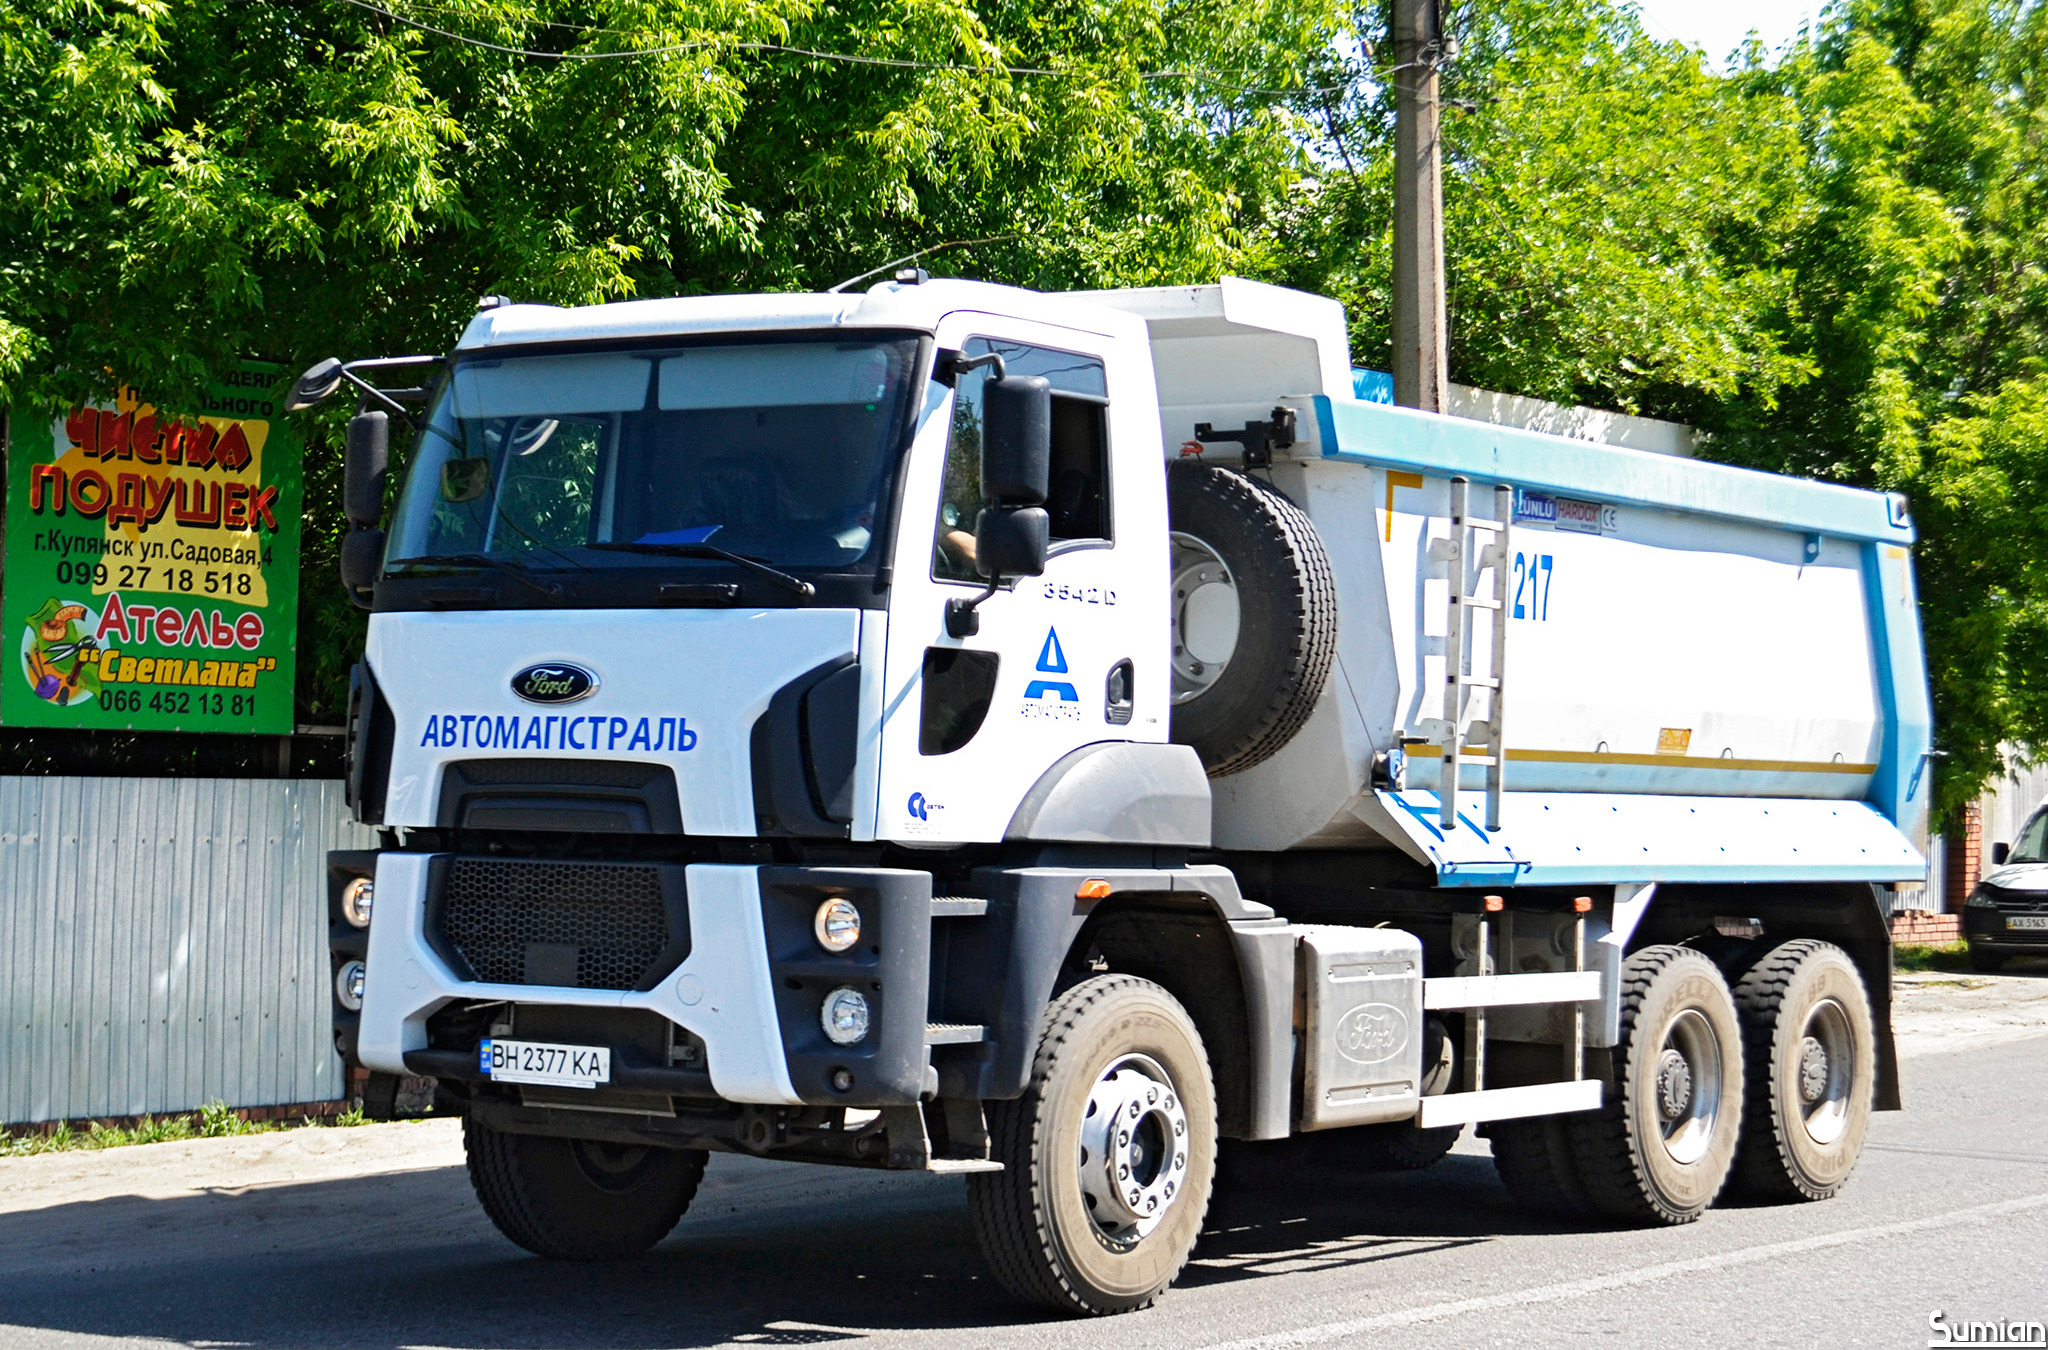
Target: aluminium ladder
1462	565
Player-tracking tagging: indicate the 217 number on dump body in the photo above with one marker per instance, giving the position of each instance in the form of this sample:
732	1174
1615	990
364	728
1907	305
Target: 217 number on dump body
1532	573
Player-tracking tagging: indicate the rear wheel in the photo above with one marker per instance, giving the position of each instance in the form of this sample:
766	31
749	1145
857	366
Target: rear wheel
1534	1160
1812	1054
1402	1146
1108	1157
1661	1148
578	1199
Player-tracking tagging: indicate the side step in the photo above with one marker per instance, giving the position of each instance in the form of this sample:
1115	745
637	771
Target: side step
958	906
1508	991
954	1033
1540	1099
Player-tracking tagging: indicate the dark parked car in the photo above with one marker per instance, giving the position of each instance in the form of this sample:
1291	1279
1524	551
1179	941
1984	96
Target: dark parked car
2008	913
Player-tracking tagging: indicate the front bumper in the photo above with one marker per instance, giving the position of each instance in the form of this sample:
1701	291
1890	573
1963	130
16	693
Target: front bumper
750	989
1987	928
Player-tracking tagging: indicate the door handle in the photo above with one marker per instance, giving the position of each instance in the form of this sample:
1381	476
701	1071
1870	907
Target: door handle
1117	702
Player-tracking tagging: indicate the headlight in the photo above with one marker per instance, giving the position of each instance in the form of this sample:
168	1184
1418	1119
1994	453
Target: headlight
348	985
837	925
355	901
1980	900
845	1016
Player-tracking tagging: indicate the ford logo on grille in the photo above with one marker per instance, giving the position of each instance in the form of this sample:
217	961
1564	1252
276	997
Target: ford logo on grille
554	682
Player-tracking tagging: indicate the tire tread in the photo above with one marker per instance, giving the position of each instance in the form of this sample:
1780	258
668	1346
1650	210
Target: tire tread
1312	589
1010	1214
1605	1152
1759	999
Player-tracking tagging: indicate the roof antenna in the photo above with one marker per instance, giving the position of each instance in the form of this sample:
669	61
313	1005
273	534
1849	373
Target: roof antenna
913	257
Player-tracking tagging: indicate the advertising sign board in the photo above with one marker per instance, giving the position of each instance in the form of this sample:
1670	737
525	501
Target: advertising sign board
152	564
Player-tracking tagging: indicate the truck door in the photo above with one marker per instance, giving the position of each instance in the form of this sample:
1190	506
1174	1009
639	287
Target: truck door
970	723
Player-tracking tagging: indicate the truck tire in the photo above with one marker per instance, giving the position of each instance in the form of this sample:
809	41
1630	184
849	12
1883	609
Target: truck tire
1254	616
1108	1157
1534	1160
578	1200
1662	1147
1401	1146
1811	1046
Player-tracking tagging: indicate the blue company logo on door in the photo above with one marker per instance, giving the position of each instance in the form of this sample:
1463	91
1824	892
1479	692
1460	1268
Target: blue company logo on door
1054	700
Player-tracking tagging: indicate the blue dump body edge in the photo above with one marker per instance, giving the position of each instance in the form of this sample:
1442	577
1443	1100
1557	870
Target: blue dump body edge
1439	446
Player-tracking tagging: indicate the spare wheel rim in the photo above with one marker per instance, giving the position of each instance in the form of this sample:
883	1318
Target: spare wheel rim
1207	616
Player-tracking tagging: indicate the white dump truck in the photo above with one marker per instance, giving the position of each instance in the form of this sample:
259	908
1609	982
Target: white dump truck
1036	736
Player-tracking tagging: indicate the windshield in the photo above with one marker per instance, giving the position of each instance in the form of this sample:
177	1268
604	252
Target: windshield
2032	845
774	450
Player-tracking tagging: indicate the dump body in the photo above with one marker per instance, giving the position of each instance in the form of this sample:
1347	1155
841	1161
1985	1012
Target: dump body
1710	673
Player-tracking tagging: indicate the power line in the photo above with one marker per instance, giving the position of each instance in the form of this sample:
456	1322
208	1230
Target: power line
850	58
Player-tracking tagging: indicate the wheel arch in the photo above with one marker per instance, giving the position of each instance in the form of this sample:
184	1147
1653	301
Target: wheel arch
1849	914
1227	960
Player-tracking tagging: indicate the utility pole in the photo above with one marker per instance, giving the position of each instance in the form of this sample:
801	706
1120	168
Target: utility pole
1418	208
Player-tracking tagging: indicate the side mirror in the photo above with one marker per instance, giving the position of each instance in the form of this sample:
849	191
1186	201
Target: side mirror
362	558
316	386
1011	541
1999	853
1016	440
368	454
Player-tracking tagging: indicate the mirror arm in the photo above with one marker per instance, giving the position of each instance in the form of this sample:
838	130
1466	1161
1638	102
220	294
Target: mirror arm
385	397
963	616
958	364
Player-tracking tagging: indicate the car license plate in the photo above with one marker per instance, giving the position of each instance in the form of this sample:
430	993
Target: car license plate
2028	921
544	1065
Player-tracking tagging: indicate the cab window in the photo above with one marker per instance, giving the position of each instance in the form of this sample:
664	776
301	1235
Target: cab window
1078	502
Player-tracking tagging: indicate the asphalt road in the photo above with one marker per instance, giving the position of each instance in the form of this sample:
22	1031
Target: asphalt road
371	1238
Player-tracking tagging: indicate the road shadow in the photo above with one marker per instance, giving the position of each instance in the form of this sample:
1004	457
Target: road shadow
770	1255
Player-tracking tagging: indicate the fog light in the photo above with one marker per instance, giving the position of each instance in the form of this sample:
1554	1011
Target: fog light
348	985
355	901
845	1016
837	924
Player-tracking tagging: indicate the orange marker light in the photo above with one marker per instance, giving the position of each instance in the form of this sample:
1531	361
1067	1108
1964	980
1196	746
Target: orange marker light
1494	904
1095	888
1583	905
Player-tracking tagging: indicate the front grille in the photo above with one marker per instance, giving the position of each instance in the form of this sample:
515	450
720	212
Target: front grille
2015	902
586	925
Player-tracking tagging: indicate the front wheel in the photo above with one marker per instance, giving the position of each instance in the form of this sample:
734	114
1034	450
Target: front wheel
579	1199
1988	962
1108	1157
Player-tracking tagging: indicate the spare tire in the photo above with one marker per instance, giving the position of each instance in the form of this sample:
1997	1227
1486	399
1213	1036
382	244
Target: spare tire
1254	615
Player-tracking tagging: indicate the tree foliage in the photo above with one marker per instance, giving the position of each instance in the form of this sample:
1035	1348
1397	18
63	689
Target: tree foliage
182	185
1832	259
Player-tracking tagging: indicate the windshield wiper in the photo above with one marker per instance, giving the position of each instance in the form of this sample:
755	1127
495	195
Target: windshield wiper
713	551
518	571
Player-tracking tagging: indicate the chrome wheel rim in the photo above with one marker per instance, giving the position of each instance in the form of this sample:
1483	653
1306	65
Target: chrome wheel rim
1686	1087
1134	1150
1823	1071
1206	616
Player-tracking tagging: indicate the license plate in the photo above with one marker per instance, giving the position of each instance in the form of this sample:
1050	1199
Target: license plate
2028	921
544	1065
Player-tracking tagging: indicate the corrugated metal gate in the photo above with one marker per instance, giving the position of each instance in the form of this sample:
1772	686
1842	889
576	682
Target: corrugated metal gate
163	943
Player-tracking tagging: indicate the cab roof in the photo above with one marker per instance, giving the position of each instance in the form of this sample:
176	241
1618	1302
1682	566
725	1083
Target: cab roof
890	305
